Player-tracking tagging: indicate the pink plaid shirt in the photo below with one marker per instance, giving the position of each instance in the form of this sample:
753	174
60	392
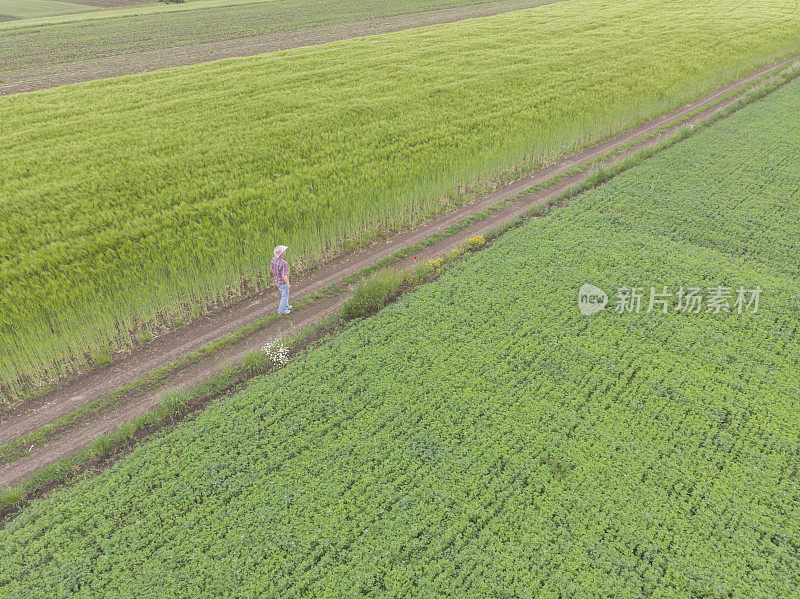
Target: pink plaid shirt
280	270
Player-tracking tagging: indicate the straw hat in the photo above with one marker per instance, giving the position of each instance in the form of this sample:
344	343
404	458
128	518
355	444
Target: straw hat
278	251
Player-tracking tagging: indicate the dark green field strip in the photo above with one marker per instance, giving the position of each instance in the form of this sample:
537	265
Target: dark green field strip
481	437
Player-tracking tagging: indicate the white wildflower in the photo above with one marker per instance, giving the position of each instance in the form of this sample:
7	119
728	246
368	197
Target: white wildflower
277	352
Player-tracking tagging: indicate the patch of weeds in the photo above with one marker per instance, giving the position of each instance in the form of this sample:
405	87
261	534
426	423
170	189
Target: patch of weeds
101	356
213	385
228	371
372	294
421	272
100	447
144	336
145	420
172	402
12	496
255	362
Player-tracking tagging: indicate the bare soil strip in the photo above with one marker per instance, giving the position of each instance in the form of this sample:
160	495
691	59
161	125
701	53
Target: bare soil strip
172	346
43	77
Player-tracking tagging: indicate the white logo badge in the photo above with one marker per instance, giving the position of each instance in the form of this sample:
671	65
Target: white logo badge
591	299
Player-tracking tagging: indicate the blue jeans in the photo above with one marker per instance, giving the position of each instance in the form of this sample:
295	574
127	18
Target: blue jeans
284	305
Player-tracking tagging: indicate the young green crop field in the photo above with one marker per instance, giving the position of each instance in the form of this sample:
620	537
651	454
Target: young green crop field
161	26
542	454
26	9
107	9
145	198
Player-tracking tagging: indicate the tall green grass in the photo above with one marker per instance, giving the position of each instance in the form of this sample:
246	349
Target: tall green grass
149	198
372	294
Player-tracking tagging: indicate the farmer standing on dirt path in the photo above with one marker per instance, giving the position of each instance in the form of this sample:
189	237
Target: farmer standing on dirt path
280	271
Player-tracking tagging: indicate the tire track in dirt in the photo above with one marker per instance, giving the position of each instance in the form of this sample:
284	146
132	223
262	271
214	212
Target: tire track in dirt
172	346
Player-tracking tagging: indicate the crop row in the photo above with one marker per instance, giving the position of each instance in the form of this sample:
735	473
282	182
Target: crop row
77	40
118	208
480	436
